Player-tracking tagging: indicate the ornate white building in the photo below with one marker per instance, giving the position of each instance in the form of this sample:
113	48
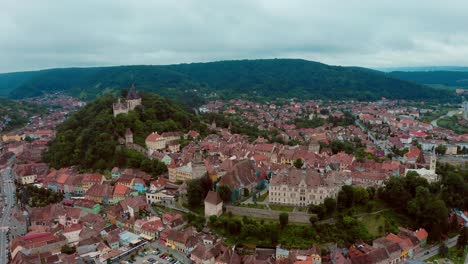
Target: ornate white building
302	187
133	100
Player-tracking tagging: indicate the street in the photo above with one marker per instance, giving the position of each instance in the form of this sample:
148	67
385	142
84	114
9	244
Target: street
423	255
8	191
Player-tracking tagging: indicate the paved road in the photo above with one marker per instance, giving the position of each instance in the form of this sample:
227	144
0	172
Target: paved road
8	190
423	255
371	136
449	114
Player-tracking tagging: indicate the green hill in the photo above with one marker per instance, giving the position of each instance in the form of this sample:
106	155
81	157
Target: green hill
252	79
89	138
15	114
455	79
11	81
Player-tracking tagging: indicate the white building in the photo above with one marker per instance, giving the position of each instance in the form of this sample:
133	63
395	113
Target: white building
301	187
213	204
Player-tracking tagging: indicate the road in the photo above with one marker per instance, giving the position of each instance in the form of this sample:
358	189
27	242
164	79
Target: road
8	190
376	142
449	114
423	255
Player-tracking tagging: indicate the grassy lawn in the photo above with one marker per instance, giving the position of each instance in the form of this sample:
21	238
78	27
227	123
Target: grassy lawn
258	206
262	197
384	222
284	208
160	208
453	124
436	114
452	256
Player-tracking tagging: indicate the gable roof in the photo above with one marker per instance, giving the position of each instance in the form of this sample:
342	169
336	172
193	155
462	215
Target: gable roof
213	198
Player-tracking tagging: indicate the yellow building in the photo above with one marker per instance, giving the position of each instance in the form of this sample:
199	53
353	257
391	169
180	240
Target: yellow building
11	137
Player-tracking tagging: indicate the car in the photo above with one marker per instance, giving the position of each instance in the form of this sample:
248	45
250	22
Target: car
151	260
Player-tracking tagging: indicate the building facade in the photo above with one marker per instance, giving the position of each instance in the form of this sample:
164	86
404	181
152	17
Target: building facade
301	187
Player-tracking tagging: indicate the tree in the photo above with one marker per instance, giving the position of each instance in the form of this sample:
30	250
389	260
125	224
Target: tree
298	163
462	240
361	196
440	150
194	193
313	219
66	249
225	193
319	210
283	219
206	185
213	219
371	191
443	250
330	205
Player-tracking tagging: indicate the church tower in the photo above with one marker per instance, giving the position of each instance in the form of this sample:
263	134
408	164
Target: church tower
133	99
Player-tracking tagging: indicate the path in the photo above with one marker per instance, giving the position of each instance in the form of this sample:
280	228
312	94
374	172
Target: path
8	190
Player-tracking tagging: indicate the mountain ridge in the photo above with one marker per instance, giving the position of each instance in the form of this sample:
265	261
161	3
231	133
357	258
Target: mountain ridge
266	78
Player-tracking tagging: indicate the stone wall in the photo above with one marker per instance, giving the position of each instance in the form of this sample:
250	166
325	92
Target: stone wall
297	217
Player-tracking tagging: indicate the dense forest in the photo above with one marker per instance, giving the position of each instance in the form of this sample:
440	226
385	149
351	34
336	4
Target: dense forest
11	81
458	79
253	79
89	138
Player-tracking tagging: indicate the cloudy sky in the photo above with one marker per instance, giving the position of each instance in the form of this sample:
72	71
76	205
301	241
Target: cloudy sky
60	33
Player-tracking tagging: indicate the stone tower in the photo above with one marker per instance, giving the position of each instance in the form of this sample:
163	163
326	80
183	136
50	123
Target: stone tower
133	99
128	136
433	162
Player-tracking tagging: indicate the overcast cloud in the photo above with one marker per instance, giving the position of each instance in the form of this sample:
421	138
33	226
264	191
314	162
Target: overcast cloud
40	34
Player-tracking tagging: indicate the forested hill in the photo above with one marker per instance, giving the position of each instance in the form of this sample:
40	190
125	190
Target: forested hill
89	138
252	79
11	81
455	79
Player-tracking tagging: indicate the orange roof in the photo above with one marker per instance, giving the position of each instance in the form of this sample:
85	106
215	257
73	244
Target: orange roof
413	153
394	238
120	189
153	137
93	177
421	234
62	178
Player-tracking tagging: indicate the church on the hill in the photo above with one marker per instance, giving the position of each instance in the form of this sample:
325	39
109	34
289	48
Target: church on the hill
133	100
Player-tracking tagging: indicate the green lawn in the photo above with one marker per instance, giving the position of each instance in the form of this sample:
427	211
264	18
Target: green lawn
452	123
284	208
258	206
262	197
384	222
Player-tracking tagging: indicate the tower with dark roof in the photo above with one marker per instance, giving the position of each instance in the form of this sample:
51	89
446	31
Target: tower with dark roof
133	98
